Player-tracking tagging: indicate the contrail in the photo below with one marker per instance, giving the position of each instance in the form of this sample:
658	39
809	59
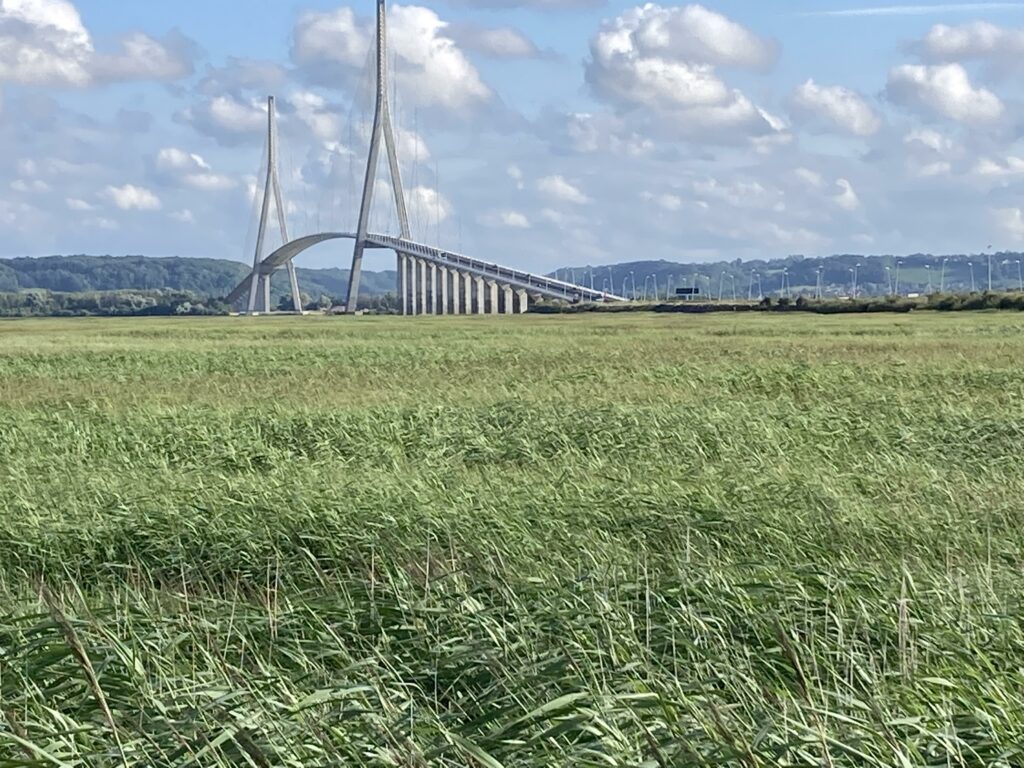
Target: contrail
919	10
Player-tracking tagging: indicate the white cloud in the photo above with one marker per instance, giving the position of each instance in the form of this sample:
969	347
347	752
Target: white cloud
919	10
740	193
30	185
664	59
100	222
496	42
1011	166
174	159
75	204
929	139
842	107
558	189
507	219
977	40
228	119
129	197
666	200
236	116
311	109
944	90
183	216
809	177
516	175
1011	221
431	69
434	206
44	42
191	170
847	198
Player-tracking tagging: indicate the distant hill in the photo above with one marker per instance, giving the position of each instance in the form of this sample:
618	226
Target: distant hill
206	277
876	275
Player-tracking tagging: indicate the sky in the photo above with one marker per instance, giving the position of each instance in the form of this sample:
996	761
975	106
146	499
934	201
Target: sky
535	133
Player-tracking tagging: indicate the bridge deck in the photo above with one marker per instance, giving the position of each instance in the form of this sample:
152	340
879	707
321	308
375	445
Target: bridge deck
536	284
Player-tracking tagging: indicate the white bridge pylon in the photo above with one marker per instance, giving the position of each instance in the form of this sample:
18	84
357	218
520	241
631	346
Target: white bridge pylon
431	281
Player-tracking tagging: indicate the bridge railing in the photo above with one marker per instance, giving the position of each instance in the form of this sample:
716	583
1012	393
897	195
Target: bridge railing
519	278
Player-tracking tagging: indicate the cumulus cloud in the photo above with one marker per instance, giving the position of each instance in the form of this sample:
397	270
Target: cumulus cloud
435	207
977	40
228	119
45	43
130	197
190	170
1009	166
558	189
1011	221
183	216
496	42
809	177
540	4
431	70
665	200
841	107
944	90
666	59
76	204
929	139
312	109
240	74
506	219
847	198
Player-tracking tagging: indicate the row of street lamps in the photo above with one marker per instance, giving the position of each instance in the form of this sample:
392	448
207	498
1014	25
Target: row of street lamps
785	287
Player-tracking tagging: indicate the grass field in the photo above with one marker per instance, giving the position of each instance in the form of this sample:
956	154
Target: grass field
566	541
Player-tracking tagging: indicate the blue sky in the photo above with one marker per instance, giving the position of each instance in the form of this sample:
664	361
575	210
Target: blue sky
535	132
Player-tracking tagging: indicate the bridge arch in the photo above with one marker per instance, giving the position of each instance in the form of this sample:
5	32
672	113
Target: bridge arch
283	255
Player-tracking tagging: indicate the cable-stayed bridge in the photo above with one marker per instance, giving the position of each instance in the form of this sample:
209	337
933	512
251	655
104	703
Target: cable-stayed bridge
431	280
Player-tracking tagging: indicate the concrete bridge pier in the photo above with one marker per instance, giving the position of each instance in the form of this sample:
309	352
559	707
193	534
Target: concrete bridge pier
429	288
456	289
403	287
492	297
421	279
522	302
443	297
478	295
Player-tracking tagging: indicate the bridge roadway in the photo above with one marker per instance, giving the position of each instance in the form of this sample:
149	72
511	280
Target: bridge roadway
436	281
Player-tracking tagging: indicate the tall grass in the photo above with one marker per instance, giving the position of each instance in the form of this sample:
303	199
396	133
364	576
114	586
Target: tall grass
578	541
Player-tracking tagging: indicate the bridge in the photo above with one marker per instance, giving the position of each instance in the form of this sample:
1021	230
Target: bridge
431	280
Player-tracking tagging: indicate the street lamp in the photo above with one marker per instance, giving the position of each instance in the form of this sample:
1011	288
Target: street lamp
928	267
782	289
817	283
989	255
970	264
1020	277
888	280
942	277
732	277
853	283
632	281
668	286
648	277
750	290
624	286
899	265
654	279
